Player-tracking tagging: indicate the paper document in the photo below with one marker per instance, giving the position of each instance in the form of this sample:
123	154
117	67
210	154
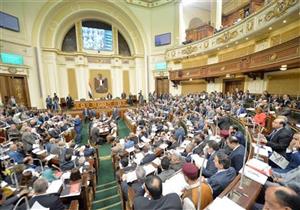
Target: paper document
224	203
260	166
49	157
254	175
175	184
279	160
199	161
129	150
55	186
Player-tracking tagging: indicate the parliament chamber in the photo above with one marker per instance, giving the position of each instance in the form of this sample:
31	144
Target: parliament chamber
150	105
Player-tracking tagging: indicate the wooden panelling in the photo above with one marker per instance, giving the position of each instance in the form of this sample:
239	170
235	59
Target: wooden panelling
284	84
199	33
188	87
287	53
193	62
126	86
72	84
236	53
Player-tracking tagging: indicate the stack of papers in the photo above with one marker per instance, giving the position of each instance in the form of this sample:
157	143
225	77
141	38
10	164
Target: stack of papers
144	139
163	146
129	150
176	184
260	166
49	157
261	149
224	203
138	158
157	161
149	168
254	175
54	186
199	161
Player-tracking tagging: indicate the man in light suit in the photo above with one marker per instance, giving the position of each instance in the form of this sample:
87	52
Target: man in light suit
28	139
224	176
237	154
210	168
280	137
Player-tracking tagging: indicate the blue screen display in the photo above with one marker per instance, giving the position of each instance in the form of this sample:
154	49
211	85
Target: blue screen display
9	22
97	39
9	58
163	39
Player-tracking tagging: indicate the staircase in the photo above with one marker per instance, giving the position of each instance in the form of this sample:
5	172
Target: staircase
107	195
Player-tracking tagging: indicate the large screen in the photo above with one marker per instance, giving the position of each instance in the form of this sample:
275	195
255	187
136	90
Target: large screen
163	39
97	39
9	22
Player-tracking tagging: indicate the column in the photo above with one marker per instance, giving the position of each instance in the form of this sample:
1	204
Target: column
82	76
117	81
141	76
50	73
178	23
216	13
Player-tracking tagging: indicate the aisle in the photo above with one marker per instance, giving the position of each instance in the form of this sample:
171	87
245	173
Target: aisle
107	196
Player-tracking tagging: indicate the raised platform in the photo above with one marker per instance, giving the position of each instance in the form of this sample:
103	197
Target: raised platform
99	104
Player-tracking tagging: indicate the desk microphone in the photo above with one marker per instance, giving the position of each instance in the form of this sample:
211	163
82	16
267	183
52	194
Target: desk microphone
244	161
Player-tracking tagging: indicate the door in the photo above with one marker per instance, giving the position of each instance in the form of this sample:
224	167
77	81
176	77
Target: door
14	85
231	85
162	85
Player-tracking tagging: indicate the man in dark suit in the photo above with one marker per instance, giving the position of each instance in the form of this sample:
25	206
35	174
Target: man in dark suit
155	199
149	157
234	131
280	137
50	201
237	154
210	168
225	174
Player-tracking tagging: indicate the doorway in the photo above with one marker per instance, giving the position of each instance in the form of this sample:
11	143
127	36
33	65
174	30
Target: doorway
233	84
161	85
14	85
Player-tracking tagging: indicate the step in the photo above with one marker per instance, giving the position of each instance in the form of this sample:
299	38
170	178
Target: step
108	184
106	201
106	193
115	206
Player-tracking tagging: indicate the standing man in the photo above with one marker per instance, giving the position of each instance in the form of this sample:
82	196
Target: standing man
55	102
49	103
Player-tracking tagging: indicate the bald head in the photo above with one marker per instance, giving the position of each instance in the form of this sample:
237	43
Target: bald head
154	186
281	198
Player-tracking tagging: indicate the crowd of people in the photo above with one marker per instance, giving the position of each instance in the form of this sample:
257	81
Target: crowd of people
40	148
178	146
172	131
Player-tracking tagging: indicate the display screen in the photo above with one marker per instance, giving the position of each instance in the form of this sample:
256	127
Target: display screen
97	39
161	66
9	22
9	58
163	39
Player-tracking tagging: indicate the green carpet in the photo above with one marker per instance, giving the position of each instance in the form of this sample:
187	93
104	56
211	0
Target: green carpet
107	196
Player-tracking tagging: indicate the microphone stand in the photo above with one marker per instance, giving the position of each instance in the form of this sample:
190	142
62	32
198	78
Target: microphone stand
26	203
200	187
244	161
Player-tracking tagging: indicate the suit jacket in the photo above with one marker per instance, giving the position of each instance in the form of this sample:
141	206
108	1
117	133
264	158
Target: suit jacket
147	159
280	140
50	201
137	187
237	158
28	140
210	168
168	202
240	136
220	180
164	175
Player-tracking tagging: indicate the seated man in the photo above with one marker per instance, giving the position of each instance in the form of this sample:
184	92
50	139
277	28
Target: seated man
285	179
68	164
125	165
191	193
237	154
137	185
176	161
234	131
166	171
148	157
155	200
15	154
50	201
210	168
8	204
225	174
280	137
281	198
292	154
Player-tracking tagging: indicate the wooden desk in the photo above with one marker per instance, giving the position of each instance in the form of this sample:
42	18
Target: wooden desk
99	104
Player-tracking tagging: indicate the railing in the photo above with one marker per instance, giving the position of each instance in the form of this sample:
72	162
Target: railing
271	13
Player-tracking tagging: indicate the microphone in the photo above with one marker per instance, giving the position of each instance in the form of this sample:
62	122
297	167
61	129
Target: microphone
200	187
244	161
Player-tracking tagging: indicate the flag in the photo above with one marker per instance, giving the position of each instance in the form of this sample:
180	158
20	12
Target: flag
90	90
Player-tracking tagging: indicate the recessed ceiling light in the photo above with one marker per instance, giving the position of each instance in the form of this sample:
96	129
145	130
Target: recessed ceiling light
284	21
284	66
283	69
270	28
247	38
